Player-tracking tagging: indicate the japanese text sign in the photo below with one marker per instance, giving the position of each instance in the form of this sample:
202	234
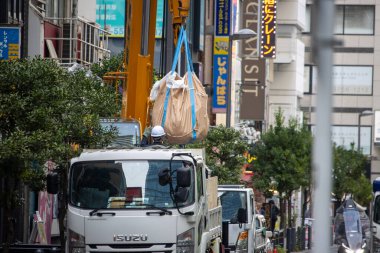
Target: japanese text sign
220	75
222	17
10	41
220	59
110	14
268	29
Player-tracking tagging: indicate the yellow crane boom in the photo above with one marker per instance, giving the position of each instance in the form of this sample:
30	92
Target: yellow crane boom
137	72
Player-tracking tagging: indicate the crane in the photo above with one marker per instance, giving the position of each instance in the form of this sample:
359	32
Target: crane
137	71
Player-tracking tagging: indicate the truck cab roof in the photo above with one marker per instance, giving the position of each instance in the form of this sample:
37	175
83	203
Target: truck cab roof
135	154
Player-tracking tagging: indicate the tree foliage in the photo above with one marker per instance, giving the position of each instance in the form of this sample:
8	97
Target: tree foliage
110	64
224	153
283	158
44	110
349	176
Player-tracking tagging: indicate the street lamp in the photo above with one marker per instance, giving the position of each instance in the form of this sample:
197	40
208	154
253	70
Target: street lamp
240	35
361	114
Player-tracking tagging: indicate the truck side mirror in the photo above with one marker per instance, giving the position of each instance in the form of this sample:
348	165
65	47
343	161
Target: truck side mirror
184	177
52	182
164	176
242	215
181	194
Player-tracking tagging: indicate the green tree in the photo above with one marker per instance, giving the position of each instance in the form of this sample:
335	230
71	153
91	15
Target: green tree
224	153
44	110
110	64
349	175
283	160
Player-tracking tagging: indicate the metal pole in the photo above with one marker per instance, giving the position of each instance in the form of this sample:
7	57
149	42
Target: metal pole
370	220
359	123
322	147
229	84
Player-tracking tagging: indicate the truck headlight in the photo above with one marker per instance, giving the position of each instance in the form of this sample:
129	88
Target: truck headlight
242	242
76	243
185	242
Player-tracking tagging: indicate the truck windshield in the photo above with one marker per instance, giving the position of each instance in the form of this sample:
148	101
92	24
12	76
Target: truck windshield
231	202
123	184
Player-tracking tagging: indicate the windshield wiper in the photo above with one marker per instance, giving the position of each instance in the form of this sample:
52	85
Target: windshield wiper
162	209
96	211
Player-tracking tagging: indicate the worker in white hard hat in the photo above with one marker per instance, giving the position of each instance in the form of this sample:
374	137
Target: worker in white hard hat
158	135
153	136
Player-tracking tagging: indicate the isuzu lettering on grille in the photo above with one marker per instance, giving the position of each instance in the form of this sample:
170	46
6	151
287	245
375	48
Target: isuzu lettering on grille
130	238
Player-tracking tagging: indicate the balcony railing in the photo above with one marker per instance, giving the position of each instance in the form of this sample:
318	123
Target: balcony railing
79	41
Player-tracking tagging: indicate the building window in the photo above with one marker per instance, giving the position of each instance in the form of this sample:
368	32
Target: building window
308	19
349	19
347	135
307	79
355	19
347	80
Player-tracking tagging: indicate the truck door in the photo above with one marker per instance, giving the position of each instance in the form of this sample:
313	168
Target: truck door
231	202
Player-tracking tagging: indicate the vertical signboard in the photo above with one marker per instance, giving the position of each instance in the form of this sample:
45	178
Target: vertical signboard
268	29
252	90
159	19
251	20
252	105
10	41
220	59
110	15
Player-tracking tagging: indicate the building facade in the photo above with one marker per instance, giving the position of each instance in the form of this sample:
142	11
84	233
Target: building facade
355	75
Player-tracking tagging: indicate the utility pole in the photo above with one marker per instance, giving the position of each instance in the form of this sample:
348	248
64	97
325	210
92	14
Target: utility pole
322	147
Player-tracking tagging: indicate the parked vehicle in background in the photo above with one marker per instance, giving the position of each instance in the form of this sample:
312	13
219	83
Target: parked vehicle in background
262	235
238	216
375	217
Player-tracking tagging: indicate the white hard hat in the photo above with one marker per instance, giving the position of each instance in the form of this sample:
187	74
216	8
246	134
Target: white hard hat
158	131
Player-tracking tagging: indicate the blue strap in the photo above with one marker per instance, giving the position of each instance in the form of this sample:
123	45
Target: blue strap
175	60
188	55
191	87
178	49
165	106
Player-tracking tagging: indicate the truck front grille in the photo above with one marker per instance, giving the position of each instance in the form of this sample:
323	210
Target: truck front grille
132	248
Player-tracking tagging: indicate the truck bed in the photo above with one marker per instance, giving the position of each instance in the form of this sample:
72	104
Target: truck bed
214	207
215	222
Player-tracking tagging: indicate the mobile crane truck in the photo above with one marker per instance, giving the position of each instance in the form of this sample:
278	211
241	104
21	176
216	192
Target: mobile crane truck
141	199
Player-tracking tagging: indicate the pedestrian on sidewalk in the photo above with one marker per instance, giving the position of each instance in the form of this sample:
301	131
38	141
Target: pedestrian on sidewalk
274	212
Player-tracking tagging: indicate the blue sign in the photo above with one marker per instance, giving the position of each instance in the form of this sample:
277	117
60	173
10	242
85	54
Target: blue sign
10	41
220	64
222	17
110	14
220	81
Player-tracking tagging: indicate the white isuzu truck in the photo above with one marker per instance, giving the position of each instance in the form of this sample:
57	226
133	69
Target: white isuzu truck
142	200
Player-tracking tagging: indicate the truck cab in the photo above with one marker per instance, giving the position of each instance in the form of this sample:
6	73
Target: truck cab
238	216
141	200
